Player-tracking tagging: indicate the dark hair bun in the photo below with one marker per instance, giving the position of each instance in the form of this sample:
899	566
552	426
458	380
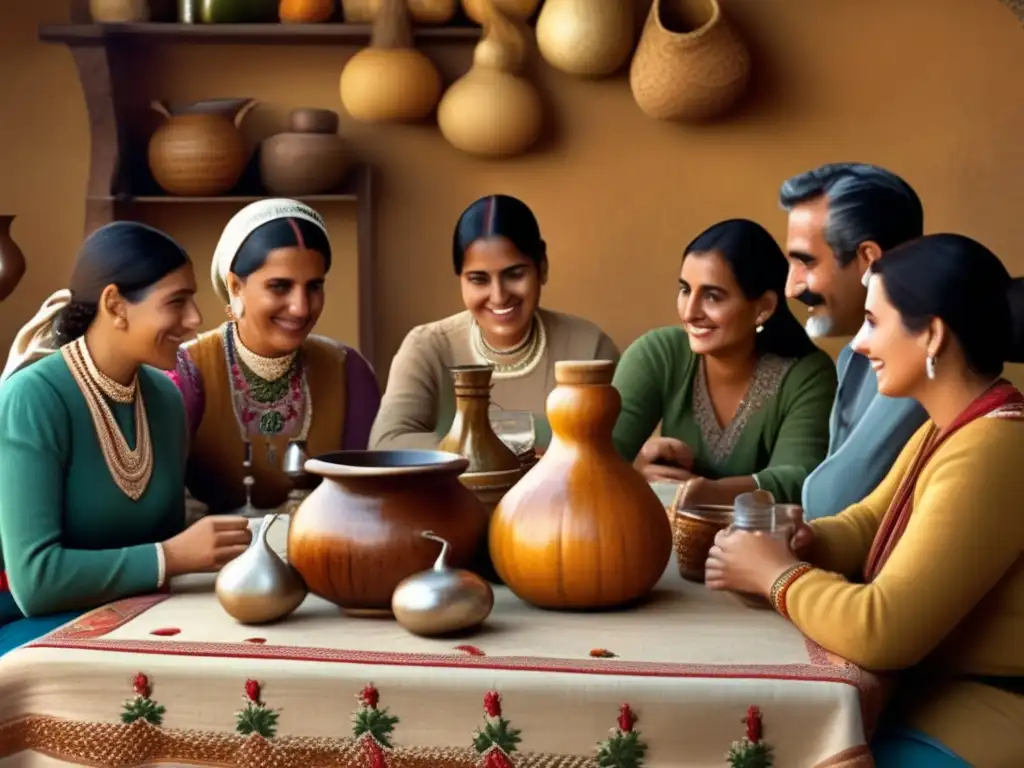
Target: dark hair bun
73	321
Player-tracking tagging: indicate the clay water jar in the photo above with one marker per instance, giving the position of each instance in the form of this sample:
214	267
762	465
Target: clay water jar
358	535
199	150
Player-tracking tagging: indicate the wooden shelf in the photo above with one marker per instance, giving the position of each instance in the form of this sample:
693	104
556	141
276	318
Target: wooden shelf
238	199
296	34
106	55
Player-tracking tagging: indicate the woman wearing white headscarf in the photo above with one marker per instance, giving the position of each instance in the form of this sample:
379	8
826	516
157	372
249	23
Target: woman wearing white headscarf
261	380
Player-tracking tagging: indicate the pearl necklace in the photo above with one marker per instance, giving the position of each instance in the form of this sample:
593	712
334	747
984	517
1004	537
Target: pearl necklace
116	391
529	352
267	368
130	469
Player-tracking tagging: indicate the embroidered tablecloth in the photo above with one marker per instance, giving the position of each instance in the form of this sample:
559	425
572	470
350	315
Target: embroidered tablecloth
678	675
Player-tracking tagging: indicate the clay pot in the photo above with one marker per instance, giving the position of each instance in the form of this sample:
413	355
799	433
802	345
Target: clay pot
358	534
12	260
690	64
421	11
477	10
583	37
491	111
200	149
693	534
118	11
310	159
390	81
582	529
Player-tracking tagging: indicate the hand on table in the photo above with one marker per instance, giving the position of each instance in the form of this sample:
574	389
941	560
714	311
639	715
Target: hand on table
207	545
665	458
742	561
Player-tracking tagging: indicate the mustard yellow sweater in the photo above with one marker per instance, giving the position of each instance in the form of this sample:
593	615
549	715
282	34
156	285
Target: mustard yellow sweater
948	604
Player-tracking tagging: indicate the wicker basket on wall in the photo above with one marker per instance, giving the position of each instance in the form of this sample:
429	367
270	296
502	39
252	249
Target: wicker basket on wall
691	64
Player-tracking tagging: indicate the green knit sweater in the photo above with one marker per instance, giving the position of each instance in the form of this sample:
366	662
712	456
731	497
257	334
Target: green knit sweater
70	537
781	441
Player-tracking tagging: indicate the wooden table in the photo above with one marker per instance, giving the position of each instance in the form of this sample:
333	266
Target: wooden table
689	664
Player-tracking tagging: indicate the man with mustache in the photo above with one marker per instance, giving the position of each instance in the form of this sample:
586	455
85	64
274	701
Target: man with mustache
843	216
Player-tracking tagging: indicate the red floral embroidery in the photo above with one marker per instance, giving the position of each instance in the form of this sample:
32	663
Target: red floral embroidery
472	650
492	704
753	721
626	718
369	697
165	632
252	691
497	739
141	685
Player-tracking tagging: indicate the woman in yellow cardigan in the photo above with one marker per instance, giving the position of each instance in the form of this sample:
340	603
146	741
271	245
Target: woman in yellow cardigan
925	576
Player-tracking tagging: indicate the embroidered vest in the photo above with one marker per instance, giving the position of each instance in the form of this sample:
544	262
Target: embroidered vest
215	470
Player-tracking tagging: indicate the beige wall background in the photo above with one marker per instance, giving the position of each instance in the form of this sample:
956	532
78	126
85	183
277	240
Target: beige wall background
932	89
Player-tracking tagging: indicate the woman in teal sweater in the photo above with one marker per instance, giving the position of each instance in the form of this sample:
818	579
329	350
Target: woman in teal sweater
742	394
93	440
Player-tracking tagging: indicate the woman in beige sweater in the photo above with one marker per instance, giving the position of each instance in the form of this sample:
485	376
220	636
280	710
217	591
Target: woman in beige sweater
502	264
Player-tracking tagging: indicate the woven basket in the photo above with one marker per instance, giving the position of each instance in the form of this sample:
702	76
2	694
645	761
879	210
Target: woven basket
690	64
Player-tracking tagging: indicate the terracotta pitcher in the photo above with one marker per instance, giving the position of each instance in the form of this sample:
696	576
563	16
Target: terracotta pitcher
12	260
358	535
583	529
200	149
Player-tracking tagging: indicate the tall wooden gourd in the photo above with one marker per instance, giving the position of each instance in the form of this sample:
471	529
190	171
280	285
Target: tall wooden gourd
390	81
582	529
491	111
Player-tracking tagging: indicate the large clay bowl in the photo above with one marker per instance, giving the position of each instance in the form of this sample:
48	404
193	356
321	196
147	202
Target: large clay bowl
357	535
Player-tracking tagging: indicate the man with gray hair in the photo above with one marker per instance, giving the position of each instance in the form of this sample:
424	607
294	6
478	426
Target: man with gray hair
843	216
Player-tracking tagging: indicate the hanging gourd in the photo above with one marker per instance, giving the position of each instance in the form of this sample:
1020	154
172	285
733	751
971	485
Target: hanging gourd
491	111
390	81
690	64
305	11
582	529
476	10
592	38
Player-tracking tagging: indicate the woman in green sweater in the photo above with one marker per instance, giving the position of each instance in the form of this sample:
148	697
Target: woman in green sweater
742	394
93	440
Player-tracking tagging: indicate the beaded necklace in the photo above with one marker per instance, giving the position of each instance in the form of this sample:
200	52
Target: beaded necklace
130	469
267	408
527	355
